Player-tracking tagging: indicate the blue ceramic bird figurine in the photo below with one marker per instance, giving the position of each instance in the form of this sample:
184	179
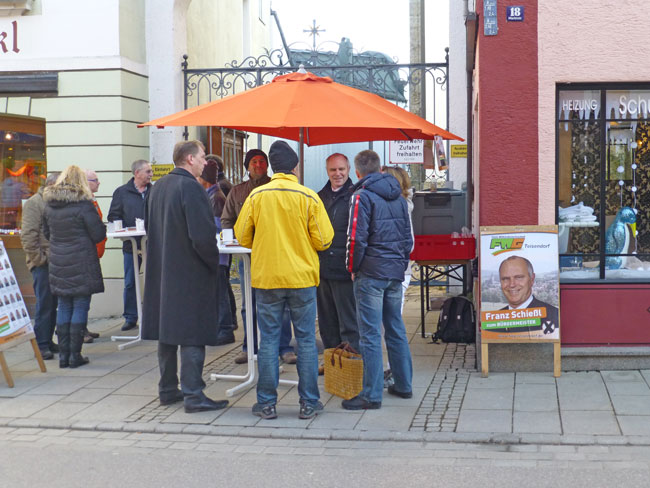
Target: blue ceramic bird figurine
616	237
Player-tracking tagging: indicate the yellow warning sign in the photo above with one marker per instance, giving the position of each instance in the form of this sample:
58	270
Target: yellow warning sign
459	150
160	170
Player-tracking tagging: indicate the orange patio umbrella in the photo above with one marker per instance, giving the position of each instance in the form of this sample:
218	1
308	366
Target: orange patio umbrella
307	108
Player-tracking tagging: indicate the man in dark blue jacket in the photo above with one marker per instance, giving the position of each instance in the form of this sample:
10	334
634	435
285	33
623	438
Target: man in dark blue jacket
379	243
337	314
128	205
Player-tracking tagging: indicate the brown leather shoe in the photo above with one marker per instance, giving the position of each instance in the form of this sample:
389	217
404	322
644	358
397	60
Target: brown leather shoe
241	358
94	335
290	357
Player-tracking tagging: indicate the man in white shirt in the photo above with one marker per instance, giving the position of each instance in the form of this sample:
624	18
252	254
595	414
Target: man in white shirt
517	279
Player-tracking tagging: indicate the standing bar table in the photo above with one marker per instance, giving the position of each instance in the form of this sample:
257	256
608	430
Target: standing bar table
130	234
250	376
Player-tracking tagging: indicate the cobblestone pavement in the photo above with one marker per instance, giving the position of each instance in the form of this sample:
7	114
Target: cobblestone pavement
441	404
437	412
153	412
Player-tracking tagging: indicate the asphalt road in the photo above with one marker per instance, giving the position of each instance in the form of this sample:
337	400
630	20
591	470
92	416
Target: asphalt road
89	466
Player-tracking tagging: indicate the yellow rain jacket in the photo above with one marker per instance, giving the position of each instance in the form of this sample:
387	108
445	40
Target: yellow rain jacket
285	224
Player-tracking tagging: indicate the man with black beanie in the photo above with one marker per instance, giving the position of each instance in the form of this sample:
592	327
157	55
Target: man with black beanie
285	224
256	163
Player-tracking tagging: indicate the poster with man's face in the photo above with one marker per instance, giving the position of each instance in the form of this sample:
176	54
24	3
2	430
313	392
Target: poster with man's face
520	294
14	326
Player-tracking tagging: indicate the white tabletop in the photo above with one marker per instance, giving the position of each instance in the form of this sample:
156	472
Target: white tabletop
128	232
231	247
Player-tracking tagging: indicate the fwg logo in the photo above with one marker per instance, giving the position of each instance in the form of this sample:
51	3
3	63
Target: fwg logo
506	244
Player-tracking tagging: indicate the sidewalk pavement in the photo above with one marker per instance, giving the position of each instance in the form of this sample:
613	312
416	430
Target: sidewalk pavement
451	402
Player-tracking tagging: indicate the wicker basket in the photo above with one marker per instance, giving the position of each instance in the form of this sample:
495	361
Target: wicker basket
343	371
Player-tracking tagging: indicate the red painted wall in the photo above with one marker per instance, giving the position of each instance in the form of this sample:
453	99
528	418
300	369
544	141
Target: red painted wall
607	314
507	112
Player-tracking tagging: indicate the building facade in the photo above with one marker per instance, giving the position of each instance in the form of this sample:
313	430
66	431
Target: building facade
77	77
560	105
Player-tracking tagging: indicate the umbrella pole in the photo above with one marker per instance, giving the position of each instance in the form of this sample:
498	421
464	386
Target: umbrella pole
302	156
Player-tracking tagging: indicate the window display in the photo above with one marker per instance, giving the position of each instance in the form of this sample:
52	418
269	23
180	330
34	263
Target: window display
22	154
604	184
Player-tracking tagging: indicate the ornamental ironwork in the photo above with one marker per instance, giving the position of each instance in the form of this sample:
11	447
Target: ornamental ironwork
374	72
370	71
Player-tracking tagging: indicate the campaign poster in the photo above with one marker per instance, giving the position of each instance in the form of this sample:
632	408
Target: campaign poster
520	294
14	318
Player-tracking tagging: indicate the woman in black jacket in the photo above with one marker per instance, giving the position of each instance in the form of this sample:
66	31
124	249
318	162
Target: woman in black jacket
73	227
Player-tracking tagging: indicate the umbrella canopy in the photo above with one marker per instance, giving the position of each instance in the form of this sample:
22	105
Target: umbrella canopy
324	111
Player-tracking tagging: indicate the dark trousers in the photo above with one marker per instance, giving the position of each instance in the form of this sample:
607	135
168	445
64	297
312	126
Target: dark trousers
192	359
130	299
231	295
337	313
224	317
45	315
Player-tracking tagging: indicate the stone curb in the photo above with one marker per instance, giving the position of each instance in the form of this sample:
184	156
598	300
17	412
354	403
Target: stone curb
327	434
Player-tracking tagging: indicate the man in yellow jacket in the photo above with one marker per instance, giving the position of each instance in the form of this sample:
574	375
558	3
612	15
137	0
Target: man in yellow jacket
285	224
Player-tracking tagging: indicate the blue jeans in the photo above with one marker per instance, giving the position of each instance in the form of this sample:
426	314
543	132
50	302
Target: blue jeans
285	336
45	315
271	306
130	300
73	310
380	301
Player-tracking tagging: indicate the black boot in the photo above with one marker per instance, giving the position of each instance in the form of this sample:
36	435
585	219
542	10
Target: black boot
63	333
77	332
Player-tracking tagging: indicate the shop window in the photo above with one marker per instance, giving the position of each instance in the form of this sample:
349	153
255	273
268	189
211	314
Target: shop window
22	154
603	150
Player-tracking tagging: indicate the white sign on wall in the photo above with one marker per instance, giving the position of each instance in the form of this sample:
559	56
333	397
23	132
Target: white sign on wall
407	152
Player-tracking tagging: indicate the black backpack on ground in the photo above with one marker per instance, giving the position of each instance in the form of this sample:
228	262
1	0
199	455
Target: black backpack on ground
457	321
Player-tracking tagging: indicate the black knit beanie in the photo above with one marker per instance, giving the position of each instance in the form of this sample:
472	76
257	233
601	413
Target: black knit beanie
282	158
251	154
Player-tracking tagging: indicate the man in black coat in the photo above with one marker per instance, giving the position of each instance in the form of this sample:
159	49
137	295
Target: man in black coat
128	205
517	278
337	314
181	297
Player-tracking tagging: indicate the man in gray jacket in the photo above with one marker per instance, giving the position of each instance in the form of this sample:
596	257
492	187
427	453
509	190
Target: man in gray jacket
37	250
